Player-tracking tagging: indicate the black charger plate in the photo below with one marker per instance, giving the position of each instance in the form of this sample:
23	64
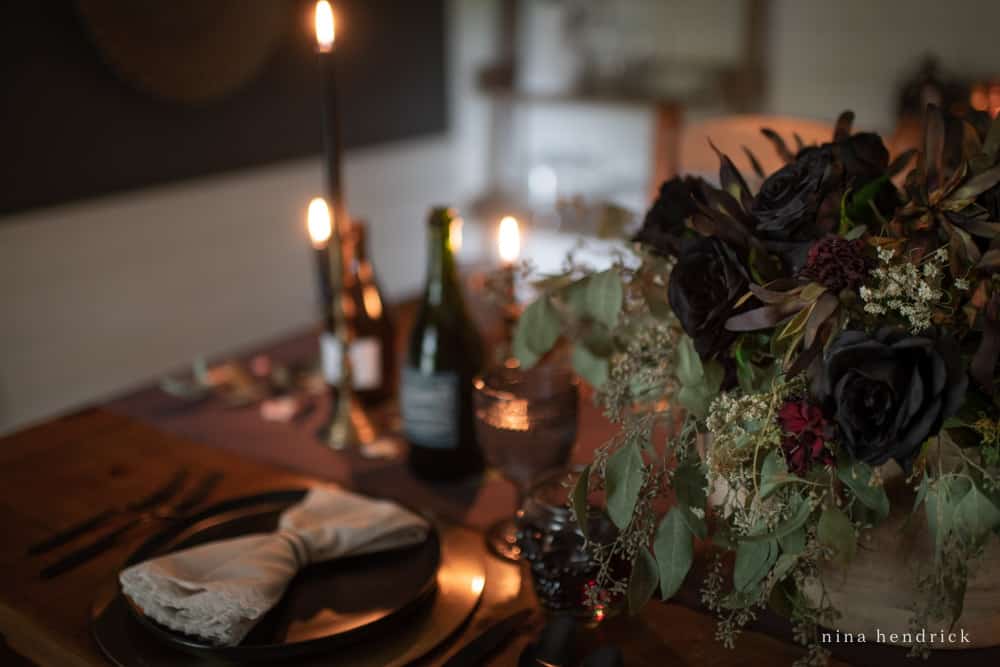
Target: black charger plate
327	606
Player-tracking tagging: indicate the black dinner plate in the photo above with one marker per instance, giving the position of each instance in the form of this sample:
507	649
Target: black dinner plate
327	604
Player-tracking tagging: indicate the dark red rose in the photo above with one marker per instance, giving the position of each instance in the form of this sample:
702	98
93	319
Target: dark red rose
805	434
836	263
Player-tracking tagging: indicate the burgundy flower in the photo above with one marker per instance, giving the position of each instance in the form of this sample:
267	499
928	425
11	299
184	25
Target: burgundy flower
805	435
836	263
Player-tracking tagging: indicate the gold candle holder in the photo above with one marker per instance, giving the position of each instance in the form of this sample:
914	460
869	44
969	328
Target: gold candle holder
349	426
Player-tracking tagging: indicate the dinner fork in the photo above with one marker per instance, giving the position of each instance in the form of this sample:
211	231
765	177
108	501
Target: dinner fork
146	503
177	510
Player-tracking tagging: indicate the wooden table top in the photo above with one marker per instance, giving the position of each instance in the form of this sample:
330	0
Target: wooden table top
65	470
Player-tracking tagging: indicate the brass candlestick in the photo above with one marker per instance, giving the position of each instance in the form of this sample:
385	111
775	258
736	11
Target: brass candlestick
349	426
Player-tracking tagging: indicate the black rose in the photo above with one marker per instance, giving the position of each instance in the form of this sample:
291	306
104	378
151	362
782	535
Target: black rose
863	156
664	228
704	287
787	206
890	391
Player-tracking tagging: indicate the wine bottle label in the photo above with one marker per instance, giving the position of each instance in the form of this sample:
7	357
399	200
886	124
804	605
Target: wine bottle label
366	361
430	408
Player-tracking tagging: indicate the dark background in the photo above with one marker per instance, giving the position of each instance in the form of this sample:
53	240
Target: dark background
71	128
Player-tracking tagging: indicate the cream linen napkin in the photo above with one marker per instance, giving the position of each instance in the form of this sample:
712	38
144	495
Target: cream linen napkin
218	591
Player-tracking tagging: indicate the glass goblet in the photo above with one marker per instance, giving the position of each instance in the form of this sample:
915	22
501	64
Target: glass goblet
526	423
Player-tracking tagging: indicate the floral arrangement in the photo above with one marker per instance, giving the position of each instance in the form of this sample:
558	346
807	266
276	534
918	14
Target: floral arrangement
833	333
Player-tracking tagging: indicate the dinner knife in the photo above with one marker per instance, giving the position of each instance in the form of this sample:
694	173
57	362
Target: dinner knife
88	552
147	502
473	653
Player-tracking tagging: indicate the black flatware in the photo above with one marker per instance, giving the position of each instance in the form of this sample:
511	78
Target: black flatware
88	552
473	653
156	497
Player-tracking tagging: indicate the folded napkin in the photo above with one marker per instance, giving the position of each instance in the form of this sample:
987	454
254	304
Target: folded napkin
219	590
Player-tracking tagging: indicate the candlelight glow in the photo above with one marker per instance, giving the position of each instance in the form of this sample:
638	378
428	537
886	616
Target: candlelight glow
325	32
318	221
373	304
509	240
455	235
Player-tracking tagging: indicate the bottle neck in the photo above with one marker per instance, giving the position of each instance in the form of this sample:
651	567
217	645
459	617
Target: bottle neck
442	276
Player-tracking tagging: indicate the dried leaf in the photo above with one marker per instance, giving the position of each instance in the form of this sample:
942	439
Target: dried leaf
899	164
825	307
971	146
977	185
991	145
754	163
842	130
765	317
990	260
732	180
932	159
779	144
797	324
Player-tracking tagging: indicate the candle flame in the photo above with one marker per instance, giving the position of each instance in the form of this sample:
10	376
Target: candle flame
318	221
509	240
455	235
325	32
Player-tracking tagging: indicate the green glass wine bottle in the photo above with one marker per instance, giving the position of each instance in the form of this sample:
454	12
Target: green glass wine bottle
445	353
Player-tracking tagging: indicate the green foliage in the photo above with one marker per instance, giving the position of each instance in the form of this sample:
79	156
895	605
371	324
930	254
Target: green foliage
858	478
976	515
624	477
753	561
603	297
774	474
700	382
589	366
642	583
537	331
836	531
674	552
579	500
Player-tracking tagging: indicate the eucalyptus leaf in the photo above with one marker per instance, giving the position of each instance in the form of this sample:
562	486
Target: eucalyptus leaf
784	565
798	517
753	561
694	523
695	400
604	297
623	478
674	552
642	581
976	514
690	484
794	542
536	333
774	474
579	499
836	531
857	478
856	232
689	368
590	367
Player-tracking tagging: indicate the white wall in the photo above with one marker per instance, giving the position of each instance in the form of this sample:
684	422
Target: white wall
101	295
825	56
105	294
